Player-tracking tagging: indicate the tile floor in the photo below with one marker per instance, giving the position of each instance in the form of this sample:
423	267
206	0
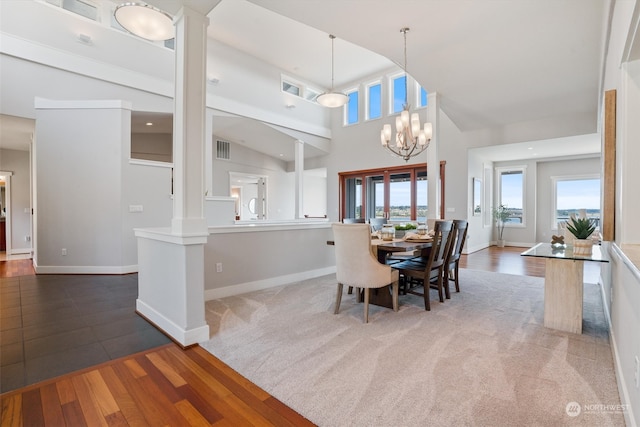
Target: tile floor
51	325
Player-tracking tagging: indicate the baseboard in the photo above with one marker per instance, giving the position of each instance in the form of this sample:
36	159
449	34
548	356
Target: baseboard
471	249
243	288
183	337
85	269
629	418
21	251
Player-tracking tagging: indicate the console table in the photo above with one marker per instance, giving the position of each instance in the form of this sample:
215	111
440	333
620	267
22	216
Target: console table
563	284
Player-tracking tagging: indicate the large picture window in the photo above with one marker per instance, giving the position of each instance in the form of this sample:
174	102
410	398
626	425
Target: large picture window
398	193
576	195
511	193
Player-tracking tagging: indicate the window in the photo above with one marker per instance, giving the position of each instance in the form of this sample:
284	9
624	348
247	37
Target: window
397	193
398	93
374	101
511	193
576	195
297	88
351	108
84	8
291	88
422	96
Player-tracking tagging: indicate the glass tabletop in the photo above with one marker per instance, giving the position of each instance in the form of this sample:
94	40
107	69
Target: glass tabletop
547	250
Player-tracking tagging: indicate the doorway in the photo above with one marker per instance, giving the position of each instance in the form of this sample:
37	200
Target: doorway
5	214
250	192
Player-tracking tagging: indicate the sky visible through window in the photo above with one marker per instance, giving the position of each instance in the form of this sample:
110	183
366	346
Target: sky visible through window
511	190
578	194
399	93
375	101
423	97
352	108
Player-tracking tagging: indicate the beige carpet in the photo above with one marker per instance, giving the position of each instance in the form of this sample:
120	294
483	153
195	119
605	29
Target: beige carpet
481	358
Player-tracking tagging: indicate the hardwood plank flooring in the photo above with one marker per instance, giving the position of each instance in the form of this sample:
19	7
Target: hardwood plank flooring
15	268
504	260
171	386
163	386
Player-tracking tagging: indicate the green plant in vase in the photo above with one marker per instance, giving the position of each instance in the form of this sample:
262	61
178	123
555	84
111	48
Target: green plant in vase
582	229
501	214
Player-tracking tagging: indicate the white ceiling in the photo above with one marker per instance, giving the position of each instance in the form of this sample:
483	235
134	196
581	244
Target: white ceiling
493	62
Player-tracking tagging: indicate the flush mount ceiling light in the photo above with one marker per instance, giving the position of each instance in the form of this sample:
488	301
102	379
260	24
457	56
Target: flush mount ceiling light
409	140
332	99
145	21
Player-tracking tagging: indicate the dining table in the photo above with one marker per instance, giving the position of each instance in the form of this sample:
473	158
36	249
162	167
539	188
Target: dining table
382	249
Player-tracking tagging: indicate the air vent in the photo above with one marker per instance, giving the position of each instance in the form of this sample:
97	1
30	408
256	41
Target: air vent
223	151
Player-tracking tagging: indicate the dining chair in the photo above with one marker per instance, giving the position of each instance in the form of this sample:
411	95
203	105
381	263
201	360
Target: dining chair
429	270
357	267
460	228
377	223
353	220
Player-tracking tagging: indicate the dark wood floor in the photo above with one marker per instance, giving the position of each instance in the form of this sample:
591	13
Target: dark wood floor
170	386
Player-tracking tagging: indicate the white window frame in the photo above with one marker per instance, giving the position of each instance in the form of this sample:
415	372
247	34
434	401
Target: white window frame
499	171
554	192
367	100
345	109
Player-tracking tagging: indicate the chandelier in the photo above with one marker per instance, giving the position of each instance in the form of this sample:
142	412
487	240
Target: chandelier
410	140
332	99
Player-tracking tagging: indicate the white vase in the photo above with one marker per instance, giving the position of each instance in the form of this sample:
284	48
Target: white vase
582	247
500	243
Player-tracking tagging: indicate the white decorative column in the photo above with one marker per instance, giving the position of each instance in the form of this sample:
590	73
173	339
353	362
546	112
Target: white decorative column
171	260
299	176
433	160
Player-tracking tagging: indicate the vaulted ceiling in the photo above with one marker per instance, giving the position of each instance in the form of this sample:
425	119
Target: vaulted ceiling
494	63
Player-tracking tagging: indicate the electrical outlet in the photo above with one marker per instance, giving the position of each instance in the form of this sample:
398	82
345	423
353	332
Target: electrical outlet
64	251
637	371
218	267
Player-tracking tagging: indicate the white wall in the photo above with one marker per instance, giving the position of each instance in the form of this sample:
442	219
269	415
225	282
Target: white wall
264	256
280	183
78	185
86	187
314	193
18	163
622	292
157	147
480	234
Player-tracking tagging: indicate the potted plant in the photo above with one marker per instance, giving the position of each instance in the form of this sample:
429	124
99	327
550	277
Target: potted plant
401	229
501	214
582	229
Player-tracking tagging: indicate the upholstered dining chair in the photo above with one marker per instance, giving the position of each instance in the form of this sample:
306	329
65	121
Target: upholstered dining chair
357	267
429	270
353	220
460	228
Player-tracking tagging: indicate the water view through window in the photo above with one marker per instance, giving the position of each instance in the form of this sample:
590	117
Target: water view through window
576	196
